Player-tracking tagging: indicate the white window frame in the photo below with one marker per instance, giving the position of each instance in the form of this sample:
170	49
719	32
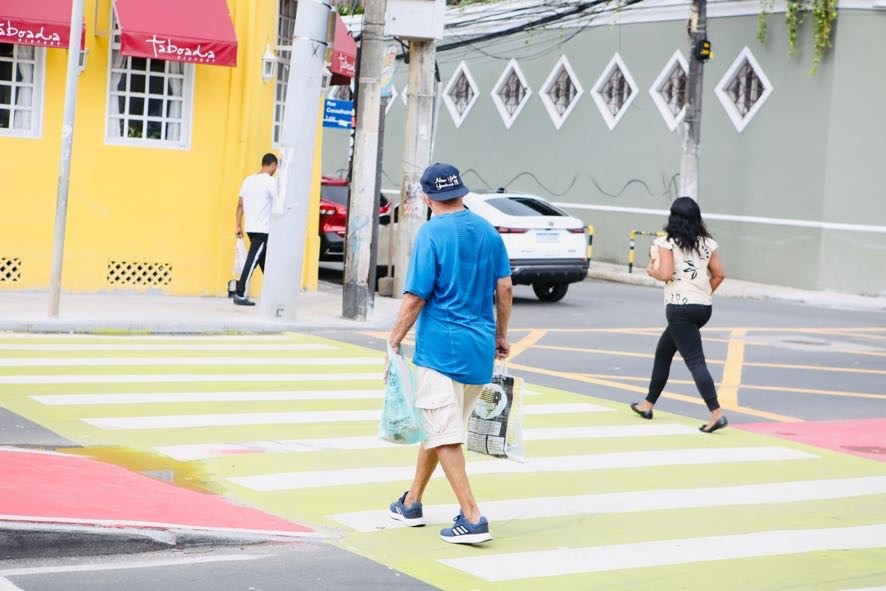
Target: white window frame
739	121
610	119
283	56
671	120
392	99
39	85
186	122
556	117
506	117
459	118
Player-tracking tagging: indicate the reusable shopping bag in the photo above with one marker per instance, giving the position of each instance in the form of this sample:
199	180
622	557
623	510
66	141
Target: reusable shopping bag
400	423
496	424
239	257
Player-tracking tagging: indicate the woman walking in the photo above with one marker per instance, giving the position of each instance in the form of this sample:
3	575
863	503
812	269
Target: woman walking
687	261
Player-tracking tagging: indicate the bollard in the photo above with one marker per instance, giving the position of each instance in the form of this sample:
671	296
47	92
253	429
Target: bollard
590	241
633	236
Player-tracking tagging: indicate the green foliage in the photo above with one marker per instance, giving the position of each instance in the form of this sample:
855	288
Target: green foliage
824	14
763	20
793	18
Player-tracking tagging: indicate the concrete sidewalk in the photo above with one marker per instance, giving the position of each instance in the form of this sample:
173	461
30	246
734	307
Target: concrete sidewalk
146	313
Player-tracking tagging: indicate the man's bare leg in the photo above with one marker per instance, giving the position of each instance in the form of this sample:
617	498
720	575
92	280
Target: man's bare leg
452	458
424	468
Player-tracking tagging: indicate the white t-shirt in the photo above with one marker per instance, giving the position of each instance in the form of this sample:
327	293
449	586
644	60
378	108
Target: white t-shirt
258	192
692	279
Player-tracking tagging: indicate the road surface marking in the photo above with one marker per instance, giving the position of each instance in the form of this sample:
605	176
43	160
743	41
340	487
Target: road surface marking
548	563
277	418
815	391
169	360
87	568
634	501
817	368
215	378
146	337
526	342
212	450
728	393
173	397
605	461
7	585
240	347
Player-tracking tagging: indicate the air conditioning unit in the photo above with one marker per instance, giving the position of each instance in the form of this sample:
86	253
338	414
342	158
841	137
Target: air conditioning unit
415	19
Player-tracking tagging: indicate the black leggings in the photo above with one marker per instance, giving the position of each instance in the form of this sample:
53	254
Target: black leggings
683	335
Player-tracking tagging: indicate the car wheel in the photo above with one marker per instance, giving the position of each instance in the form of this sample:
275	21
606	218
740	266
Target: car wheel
550	292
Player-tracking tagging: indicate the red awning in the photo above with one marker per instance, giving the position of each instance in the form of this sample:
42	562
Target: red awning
45	22
343	61
197	31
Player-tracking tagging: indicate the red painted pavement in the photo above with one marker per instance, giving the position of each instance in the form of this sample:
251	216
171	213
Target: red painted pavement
52	487
860	437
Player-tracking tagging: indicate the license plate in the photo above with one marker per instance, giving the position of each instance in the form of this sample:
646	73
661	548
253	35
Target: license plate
547	237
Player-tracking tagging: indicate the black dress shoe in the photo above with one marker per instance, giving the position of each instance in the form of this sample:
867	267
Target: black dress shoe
721	422
646	414
243	301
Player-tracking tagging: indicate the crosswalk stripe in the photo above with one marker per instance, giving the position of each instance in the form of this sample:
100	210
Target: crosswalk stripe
211	450
633	501
240	347
605	461
173	397
268	418
549	563
165	361
128	378
245	338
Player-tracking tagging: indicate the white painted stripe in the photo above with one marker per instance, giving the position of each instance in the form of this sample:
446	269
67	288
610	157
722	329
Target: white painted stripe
745	219
634	501
868	589
172	397
211	450
164	361
128	378
241	347
548	563
607	461
144	337
269	418
236	419
7	585
88	568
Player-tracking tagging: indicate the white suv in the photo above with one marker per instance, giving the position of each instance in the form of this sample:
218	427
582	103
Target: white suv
546	246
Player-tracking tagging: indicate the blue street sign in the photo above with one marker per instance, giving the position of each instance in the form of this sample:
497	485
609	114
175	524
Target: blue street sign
338	114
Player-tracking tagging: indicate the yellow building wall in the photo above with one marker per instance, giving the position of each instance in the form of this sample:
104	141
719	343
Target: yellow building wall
143	204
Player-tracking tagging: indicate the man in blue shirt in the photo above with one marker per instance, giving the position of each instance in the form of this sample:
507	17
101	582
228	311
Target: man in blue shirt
458	263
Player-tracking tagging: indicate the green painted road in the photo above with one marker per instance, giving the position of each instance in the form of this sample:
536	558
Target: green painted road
606	500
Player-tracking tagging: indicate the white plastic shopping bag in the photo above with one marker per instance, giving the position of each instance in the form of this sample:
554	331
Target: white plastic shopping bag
400	422
496	424
239	257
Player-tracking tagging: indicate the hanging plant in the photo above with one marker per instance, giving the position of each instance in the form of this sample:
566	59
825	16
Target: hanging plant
824	13
793	17
763	20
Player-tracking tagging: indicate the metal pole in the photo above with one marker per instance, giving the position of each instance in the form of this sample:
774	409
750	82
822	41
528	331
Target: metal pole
362	210
416	153
285	256
64	167
694	87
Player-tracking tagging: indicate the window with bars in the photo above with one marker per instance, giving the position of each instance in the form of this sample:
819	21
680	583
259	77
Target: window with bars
745	89
673	89
512	92
616	91
149	99
285	33
461	93
21	88
562	91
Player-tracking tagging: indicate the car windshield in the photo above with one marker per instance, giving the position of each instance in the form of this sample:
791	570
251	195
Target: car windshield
524	206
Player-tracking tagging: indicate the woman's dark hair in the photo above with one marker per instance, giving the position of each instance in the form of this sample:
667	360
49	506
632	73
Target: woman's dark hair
685	226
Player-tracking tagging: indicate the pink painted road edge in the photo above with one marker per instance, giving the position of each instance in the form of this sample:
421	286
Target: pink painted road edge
865	438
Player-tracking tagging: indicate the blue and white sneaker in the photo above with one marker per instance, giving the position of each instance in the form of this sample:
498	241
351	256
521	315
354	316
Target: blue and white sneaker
411	515
465	532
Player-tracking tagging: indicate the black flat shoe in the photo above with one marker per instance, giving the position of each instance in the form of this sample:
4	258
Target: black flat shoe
721	422
646	414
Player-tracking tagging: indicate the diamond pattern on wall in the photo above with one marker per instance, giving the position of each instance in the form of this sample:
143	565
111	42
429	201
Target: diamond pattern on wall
139	273
743	89
10	269
460	94
669	90
614	91
560	92
511	93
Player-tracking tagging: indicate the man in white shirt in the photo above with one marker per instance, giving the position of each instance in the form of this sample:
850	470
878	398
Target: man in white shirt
257	194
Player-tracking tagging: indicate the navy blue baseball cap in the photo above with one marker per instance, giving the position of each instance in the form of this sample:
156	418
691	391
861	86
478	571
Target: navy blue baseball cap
442	182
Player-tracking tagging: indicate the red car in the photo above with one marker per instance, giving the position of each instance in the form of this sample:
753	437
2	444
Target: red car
333	217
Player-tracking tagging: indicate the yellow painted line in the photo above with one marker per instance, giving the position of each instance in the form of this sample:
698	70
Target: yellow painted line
526	342
817	368
728	394
642	390
612	352
816	391
873	337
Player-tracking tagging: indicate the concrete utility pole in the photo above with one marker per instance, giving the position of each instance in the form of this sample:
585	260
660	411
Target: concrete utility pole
286	241
694	87
64	167
416	153
359	270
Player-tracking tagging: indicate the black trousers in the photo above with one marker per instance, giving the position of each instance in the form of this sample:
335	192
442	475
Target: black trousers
258	242
683	335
